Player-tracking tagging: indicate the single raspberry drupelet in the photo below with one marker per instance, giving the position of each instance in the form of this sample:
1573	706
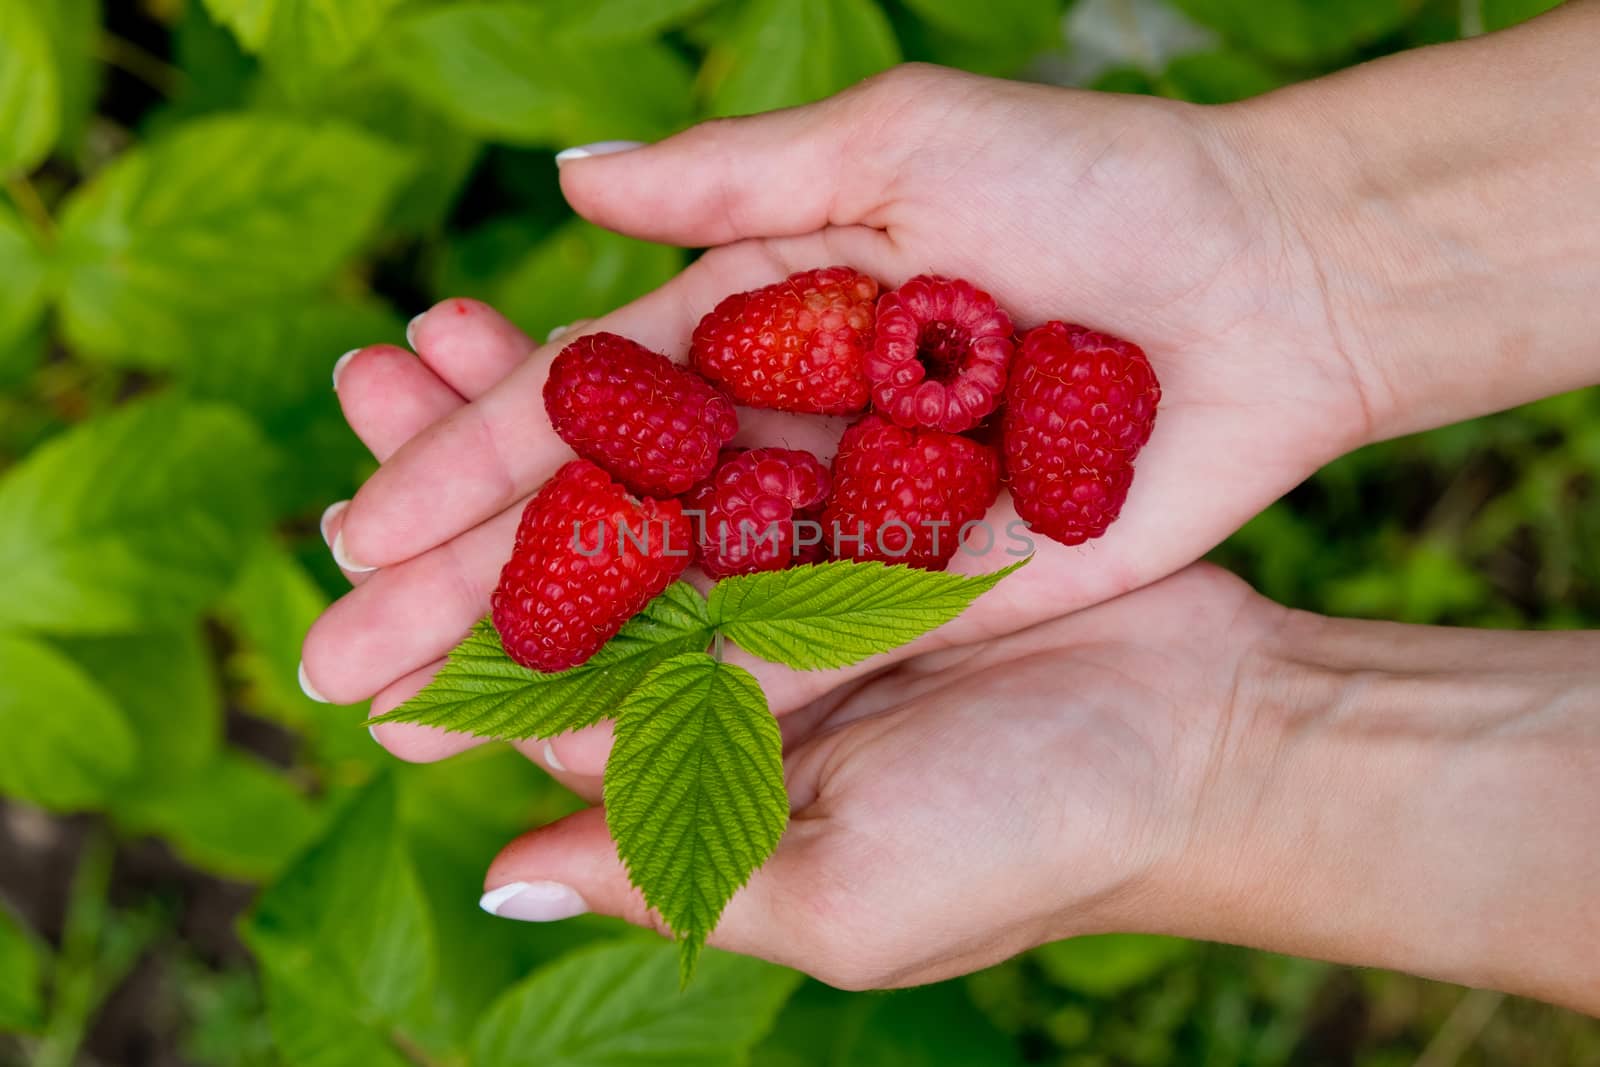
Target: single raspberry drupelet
1079	406
939	354
654	426
748	511
905	496
798	345
588	558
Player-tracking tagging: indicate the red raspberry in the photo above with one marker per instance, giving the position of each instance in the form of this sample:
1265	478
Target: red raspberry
1079	407
904	496
749	509
588	558
939	357
798	345
654	426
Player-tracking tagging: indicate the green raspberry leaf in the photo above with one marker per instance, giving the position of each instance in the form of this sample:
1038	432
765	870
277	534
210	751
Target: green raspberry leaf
219	214
839	613
482	691
30	88
694	791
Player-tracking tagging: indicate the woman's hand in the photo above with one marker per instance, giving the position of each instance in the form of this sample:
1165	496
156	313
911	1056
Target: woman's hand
1133	215
1188	759
966	805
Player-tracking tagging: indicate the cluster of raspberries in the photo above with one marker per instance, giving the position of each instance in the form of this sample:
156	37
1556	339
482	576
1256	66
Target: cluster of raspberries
945	376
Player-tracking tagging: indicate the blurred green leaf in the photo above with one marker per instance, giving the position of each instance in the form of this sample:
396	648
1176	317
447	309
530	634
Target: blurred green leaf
345	934
580	271
789	52
302	38
21	978
1217	78
1301	31
73	29
275	362
930	1026
67	746
269	608
1016	24
162	682
458	813
604	20
200	812
317	1026
1105	965
513	72
131	520
30	88
1424	582
1498	14
218	74
222	213
23	278
618	1005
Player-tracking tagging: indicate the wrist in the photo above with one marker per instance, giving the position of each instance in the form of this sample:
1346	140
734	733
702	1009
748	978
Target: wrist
1440	197
1410	798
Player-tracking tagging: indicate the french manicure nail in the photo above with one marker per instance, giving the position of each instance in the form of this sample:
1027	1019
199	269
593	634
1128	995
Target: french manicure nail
328	515
340	365
533	902
598	148
550	758
308	689
411	331
343	560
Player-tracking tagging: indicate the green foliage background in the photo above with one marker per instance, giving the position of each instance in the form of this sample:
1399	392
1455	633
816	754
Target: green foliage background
203	204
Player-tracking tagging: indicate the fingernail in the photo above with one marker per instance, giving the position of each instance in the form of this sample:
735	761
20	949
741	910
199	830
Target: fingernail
343	560
550	758
328	515
309	689
533	902
372	732
340	364
555	331
411	331
598	148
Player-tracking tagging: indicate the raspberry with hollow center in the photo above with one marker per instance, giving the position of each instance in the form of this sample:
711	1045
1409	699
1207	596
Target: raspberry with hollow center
651	424
906	495
1079	407
750	508
798	345
939	354
588	557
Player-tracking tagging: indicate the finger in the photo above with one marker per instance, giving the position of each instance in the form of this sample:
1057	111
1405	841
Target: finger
570	867
406	616
833	163
468	344
499	449
389	397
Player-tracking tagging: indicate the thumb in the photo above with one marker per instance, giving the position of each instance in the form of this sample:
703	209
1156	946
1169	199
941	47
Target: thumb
776	174
571	867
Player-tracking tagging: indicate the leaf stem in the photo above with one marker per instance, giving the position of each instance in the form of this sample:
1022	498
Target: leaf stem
413	1052
32	206
126	56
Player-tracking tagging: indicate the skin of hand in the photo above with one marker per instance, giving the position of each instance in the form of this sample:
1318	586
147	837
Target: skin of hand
1129	214
1189	758
1155	221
